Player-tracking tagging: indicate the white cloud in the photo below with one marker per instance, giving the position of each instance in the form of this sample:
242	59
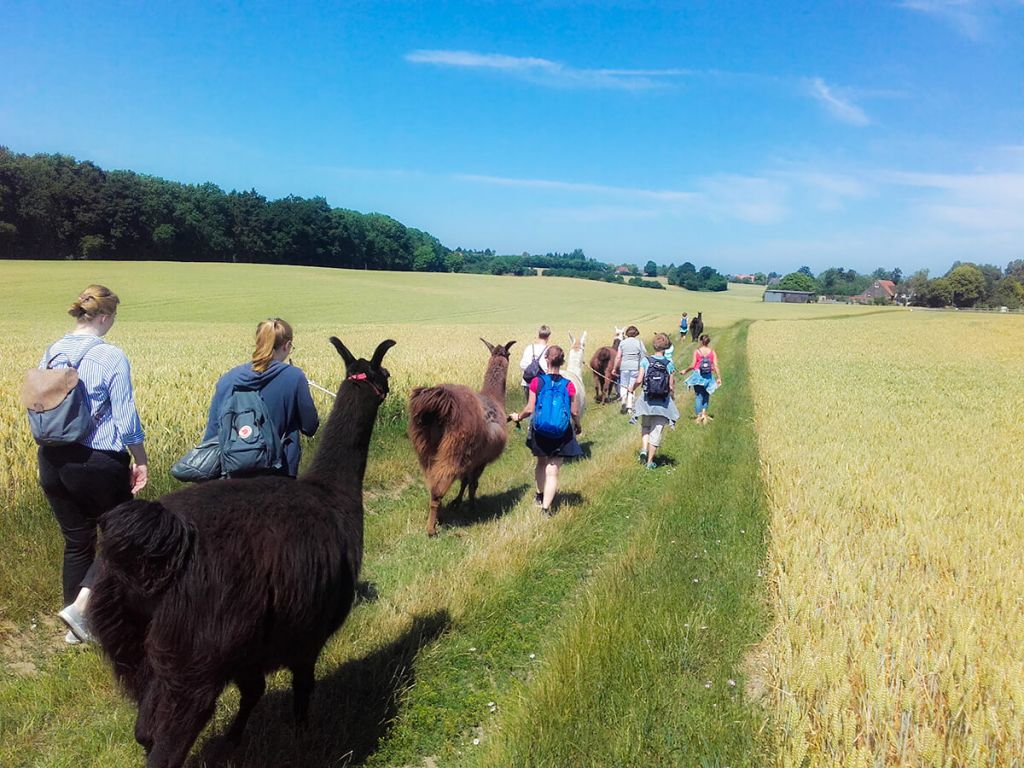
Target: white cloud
841	109
548	72
664	195
990	202
964	15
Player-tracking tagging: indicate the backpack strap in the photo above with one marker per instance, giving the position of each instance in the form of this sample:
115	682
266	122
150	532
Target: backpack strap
538	357
74	362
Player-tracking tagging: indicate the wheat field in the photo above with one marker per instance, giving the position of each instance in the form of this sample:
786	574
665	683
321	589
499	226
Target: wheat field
891	450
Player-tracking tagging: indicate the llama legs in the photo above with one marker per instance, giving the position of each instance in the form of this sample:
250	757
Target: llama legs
182	717
303	680
251	685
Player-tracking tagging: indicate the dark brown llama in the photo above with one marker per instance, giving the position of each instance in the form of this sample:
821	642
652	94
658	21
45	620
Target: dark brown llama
457	432
696	327
229	580
605	373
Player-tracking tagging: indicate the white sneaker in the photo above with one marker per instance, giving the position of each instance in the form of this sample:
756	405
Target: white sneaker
76	623
70	638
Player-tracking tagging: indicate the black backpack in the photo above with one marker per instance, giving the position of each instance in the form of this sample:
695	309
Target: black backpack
656	378
705	367
534	369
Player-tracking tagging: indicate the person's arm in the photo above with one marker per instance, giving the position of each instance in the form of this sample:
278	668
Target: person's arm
715	368
694	364
126	419
639	378
531	403
140	471
618	357
574	409
309	419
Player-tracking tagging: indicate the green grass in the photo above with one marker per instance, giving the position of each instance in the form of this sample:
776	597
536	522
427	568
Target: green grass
602	594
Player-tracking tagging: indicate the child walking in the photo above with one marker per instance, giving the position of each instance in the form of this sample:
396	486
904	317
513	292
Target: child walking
656	406
705	377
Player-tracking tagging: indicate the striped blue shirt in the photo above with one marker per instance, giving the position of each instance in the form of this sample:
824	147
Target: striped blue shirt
108	380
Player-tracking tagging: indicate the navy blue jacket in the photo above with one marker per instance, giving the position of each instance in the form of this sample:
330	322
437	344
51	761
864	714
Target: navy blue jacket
285	391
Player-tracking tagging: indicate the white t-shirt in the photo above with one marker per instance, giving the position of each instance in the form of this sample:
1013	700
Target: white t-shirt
531	351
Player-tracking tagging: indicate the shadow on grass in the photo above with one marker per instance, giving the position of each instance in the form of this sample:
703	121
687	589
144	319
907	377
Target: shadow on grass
570	498
351	713
487	508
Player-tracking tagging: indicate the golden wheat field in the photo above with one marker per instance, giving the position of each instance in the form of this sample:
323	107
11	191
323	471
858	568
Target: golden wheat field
892	450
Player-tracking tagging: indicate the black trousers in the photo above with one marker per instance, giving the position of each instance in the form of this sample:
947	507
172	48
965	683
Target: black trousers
81	484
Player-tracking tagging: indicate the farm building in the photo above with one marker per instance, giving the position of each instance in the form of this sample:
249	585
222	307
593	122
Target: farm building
789	297
880	289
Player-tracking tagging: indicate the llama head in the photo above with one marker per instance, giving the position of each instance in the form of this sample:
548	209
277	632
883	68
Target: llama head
620	333
498	350
371	370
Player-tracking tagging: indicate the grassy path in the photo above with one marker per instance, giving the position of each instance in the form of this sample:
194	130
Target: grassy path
588	638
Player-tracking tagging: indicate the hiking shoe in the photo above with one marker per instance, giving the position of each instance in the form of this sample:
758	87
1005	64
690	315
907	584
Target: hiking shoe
538	499
70	638
76	623
547	511
651	465
632	420
641	456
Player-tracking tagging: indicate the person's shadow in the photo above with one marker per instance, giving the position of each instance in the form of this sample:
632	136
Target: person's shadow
487	508
351	712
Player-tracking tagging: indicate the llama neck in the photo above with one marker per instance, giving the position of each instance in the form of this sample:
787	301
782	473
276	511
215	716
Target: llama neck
575	365
494	379
341	456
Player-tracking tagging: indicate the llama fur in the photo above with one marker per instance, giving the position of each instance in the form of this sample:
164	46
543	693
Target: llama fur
457	431
229	580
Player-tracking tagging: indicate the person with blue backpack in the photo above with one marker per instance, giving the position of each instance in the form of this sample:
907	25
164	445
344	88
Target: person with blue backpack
705	377
554	426
259	409
656	407
81	410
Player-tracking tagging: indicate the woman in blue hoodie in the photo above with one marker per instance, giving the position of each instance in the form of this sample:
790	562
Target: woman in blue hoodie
283	387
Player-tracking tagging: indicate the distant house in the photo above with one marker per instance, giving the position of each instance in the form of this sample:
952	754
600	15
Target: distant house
788	297
880	289
623	270
743	278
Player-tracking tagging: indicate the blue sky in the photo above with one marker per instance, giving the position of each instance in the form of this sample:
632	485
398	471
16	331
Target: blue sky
748	136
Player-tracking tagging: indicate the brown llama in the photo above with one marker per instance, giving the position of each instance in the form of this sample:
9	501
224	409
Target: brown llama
606	375
457	432
229	580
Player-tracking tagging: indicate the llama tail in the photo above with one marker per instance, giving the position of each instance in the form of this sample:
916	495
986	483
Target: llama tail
432	412
144	548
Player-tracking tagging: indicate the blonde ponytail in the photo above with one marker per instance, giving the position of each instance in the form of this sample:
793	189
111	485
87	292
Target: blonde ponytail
271	335
94	300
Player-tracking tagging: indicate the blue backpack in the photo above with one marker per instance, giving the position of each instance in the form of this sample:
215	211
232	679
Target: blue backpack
553	403
59	411
248	439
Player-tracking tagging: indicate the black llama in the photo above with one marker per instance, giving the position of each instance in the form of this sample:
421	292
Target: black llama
229	580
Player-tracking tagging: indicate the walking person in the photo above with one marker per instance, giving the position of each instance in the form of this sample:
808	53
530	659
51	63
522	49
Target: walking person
656	405
534	360
631	351
554	426
683	325
283	388
705	377
107	466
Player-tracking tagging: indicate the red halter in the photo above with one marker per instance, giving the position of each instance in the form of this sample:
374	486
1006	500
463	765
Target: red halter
362	377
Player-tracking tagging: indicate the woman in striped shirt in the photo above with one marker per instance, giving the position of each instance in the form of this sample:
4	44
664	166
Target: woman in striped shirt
85	479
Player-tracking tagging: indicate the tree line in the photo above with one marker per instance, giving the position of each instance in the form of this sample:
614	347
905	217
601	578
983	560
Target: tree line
964	285
54	207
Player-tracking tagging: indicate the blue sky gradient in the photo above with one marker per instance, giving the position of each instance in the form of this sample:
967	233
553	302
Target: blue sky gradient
746	136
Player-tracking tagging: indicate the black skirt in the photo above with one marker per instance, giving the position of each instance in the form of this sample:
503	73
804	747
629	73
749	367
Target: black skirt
566	446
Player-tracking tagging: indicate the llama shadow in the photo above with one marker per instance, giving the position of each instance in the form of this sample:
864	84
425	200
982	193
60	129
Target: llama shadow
487	508
570	498
366	592
351	712
663	460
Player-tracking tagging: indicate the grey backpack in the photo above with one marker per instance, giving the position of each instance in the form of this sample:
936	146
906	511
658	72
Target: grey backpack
59	412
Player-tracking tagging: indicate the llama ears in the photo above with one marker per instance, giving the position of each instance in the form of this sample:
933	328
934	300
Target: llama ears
343	351
572	340
490	347
508	346
350	360
382	348
583	340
